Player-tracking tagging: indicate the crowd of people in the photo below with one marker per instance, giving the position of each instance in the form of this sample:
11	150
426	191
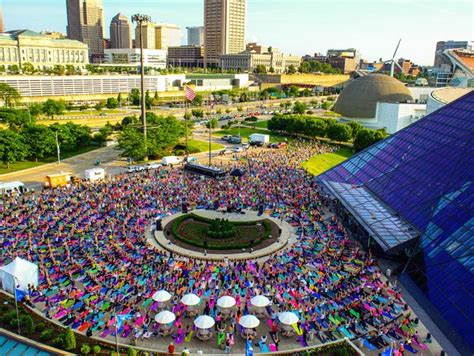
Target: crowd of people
90	243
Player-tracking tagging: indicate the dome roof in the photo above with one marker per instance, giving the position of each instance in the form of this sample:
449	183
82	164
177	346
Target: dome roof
359	98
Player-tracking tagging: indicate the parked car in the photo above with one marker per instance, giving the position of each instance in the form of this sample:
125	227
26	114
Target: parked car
235	140
238	149
226	137
153	165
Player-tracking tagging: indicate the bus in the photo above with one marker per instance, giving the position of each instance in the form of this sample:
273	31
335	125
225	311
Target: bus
206	171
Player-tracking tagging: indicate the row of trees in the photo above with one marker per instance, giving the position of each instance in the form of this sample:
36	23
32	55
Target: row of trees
324	127
163	135
23	139
317	67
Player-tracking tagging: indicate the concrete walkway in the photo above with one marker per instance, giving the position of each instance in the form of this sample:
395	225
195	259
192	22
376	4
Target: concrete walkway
287	237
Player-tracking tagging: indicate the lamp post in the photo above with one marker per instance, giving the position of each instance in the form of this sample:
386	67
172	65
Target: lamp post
141	19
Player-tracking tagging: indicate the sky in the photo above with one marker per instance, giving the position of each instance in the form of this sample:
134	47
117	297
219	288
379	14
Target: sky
294	26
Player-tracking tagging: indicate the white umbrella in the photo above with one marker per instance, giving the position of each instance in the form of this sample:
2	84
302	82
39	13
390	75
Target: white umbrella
260	301
190	299
165	317
161	296
226	301
204	322
249	321
288	318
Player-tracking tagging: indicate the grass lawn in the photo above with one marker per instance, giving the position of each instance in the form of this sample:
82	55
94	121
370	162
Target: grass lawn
18	166
203	146
259	124
93	112
245	132
91	122
321	163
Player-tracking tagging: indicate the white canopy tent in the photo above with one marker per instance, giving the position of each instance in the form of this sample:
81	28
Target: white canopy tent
18	272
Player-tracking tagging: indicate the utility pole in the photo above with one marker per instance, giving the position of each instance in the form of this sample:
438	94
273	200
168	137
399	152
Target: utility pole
58	149
142	20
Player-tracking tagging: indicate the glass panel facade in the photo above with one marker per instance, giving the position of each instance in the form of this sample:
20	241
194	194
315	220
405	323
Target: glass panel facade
426	174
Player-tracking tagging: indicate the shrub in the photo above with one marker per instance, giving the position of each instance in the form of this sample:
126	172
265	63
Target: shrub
131	352
26	323
59	341
6	318
85	349
69	340
96	349
40	327
46	334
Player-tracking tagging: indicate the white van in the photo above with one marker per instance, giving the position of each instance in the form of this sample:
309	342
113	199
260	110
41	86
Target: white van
12	188
94	174
171	161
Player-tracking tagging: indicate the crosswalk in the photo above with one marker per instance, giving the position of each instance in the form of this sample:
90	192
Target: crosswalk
9	347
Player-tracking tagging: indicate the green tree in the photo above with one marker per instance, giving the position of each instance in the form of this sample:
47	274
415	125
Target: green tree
12	147
188	115
198	113
134	97
326	105
9	95
112	103
59	69
355	128
35	109
197	100
119	99
299	108
212	123
15	118
305	67
96	349
13	69
367	137
28	68
70	69
131	352
99	106
85	349
293	91
291	69
260	69
132	143
339	132
53	107
41	141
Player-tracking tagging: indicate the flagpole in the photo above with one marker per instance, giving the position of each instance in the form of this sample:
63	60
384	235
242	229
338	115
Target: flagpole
116	335
16	307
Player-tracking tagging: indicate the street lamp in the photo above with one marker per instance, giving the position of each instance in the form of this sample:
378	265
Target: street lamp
141	20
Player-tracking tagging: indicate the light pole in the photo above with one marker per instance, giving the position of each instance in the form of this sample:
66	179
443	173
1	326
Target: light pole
141	20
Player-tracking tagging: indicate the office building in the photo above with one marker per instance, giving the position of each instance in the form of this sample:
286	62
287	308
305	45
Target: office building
224	29
186	56
410	196
254	48
345	64
85	23
442	46
148	35
167	35
153	58
2	26
195	36
273	60
88	88
120	32
24	46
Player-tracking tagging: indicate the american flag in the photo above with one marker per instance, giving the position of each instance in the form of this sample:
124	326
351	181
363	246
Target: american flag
189	93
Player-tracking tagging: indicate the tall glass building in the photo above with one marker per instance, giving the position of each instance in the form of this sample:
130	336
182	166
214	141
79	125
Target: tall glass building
412	196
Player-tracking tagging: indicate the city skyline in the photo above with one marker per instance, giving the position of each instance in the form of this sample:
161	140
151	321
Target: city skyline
315	26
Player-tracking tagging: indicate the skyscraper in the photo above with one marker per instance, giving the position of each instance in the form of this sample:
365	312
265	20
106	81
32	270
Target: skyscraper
167	35
224	29
2	27
120	32
196	36
85	23
149	36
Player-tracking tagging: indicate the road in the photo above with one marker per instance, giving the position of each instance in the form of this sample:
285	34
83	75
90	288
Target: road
34	178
